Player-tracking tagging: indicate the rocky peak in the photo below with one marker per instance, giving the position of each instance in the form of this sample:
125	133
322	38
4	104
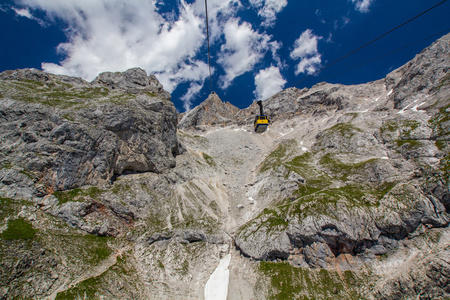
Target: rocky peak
40	76
70	133
423	76
132	81
212	111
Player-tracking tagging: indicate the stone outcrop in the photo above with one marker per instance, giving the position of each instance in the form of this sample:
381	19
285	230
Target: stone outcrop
210	112
66	133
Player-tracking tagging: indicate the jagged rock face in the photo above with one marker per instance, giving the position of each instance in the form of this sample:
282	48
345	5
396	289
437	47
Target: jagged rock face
65	133
425	75
372	172
210	112
131	81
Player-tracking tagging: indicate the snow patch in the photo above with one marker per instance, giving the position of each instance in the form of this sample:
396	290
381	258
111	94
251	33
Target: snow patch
384	157
217	286
390	92
402	111
417	106
303	148
283	134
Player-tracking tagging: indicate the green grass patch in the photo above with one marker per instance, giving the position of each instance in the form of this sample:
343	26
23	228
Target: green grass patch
342	170
19	229
87	249
391	126
6	208
442	145
288	282
440	122
10	207
83	290
444	81
344	129
209	160
78	194
278	156
6	165
412	144
54	94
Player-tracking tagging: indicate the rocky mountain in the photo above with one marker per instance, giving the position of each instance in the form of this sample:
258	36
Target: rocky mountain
105	194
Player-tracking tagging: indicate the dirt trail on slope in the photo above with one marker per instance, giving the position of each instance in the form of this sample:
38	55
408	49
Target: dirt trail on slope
91	273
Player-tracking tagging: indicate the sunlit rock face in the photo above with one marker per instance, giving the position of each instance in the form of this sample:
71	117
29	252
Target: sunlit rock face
70	133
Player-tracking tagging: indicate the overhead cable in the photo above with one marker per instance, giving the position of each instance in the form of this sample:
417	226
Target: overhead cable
389	53
367	44
209	53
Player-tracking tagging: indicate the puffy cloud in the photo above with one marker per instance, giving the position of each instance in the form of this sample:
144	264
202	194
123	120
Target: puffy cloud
244	48
362	5
118	35
193	90
268	82
25	12
268	10
306	50
193	72
166	38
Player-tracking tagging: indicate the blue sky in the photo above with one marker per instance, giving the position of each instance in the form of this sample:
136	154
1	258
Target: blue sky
258	47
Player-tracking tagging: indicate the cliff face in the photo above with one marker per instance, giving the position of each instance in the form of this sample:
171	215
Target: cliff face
67	133
212	111
346	196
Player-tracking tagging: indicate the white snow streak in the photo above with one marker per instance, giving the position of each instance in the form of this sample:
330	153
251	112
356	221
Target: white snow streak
418	105
303	148
414	108
283	134
217	286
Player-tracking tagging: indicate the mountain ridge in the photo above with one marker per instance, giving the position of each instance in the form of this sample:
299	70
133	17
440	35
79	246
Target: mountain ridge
346	195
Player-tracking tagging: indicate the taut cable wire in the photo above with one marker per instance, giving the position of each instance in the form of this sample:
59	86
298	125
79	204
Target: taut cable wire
209	53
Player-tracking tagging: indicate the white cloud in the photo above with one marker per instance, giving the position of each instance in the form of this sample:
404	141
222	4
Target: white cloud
193	72
116	35
306	50
120	34
244	48
268	82
268	10
25	12
193	90
362	5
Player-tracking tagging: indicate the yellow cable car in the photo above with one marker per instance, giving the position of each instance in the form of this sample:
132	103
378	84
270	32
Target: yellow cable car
261	121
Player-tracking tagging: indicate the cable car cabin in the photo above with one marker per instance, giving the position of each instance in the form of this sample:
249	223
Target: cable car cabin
261	123
261	120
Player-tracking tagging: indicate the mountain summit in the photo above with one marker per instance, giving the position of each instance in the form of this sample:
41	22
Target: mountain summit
212	111
345	196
